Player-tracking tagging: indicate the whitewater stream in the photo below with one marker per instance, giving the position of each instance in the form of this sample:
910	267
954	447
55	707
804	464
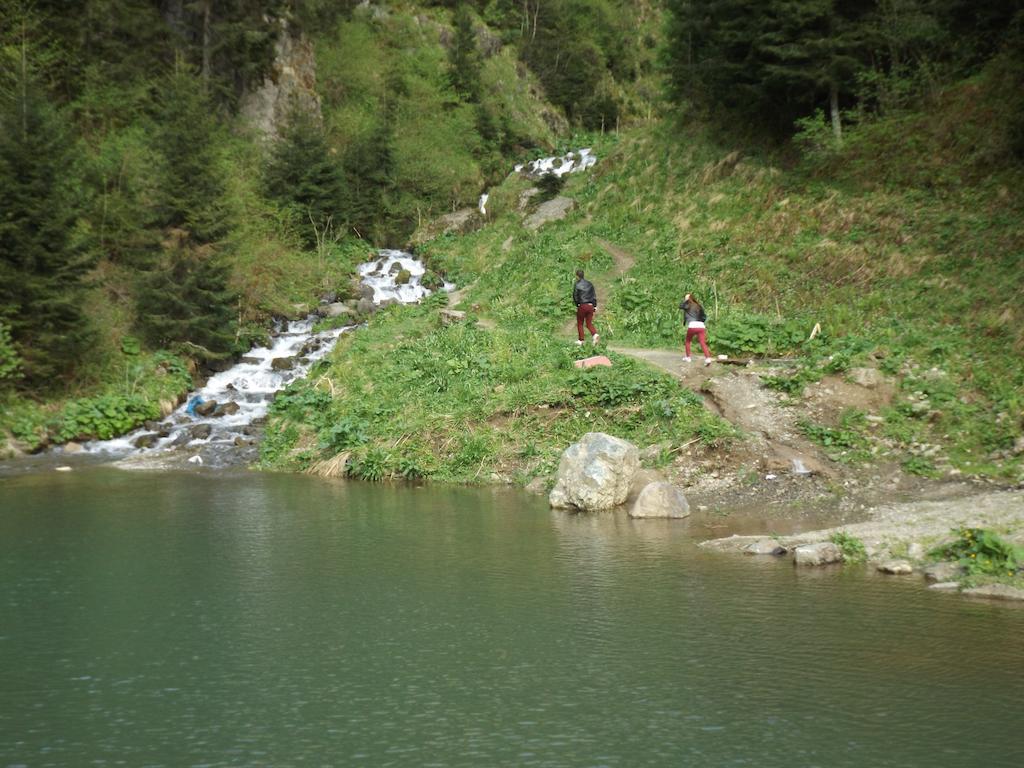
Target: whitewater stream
218	423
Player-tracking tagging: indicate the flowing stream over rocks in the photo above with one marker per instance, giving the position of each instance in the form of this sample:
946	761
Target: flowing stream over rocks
219	423
570	162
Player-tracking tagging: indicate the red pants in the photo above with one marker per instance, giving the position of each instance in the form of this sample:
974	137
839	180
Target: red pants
585	314
702	337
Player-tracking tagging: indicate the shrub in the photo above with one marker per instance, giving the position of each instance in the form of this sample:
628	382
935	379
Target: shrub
104	417
852	548
981	552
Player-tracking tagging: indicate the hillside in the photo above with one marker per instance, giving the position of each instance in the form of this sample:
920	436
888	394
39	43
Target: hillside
195	171
175	176
920	283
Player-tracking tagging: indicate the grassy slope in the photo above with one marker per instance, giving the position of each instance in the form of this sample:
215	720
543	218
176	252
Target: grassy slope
907	258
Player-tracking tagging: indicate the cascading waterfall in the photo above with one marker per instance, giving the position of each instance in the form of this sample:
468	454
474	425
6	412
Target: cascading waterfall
218	422
570	162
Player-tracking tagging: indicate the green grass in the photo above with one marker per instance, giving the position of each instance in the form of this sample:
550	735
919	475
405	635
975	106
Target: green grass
409	398
911	279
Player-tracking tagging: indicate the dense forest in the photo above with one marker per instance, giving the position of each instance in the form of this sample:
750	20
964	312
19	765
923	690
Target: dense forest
152	212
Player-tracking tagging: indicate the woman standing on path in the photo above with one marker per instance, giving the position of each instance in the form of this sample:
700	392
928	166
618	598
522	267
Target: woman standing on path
694	318
585	298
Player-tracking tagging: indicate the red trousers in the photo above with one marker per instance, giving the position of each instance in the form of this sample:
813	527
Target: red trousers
702	337
585	314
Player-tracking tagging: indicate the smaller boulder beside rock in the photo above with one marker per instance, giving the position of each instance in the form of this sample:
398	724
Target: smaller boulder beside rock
660	500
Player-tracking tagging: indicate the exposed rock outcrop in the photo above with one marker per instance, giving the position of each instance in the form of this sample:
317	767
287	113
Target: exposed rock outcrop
548	211
290	82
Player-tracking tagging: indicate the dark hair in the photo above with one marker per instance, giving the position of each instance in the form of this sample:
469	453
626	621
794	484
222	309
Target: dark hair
695	303
579	273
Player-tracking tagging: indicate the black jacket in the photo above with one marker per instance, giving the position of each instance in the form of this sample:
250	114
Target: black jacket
692	312
583	293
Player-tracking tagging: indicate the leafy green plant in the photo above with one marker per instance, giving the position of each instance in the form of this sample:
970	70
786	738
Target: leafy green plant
130	345
980	551
846	440
623	383
348	432
750	333
852	548
919	465
369	464
103	417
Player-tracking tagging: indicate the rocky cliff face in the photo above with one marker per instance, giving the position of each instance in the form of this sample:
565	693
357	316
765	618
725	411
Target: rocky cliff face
292	79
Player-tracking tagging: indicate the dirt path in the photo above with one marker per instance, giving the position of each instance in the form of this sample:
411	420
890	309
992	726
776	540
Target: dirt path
623	262
736	394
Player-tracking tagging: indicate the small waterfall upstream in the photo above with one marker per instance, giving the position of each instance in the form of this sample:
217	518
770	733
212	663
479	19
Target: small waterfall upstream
219	423
570	162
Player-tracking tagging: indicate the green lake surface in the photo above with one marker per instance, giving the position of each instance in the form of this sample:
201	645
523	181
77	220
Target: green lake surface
175	619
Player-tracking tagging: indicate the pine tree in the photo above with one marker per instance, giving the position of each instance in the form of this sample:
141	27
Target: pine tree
42	268
187	302
302	175
192	197
464	58
183	296
769	63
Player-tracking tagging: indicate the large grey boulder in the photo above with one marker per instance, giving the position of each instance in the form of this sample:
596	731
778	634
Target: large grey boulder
551	210
288	83
660	500
822	553
595	474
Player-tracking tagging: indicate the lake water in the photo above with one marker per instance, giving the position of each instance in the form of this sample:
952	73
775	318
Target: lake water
261	620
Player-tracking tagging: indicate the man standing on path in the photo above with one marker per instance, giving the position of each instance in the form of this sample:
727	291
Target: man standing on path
585	298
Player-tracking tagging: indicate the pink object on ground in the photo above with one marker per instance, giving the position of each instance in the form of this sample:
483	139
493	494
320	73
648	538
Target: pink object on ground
590	362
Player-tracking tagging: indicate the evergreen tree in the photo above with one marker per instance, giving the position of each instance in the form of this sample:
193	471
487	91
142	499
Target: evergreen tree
569	45
192	189
464	58
186	302
770	63
42	268
302	175
184	295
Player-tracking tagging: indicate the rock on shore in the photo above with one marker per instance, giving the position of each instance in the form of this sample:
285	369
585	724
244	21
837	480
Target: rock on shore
595	474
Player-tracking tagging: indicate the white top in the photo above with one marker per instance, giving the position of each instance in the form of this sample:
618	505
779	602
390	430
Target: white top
695	324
